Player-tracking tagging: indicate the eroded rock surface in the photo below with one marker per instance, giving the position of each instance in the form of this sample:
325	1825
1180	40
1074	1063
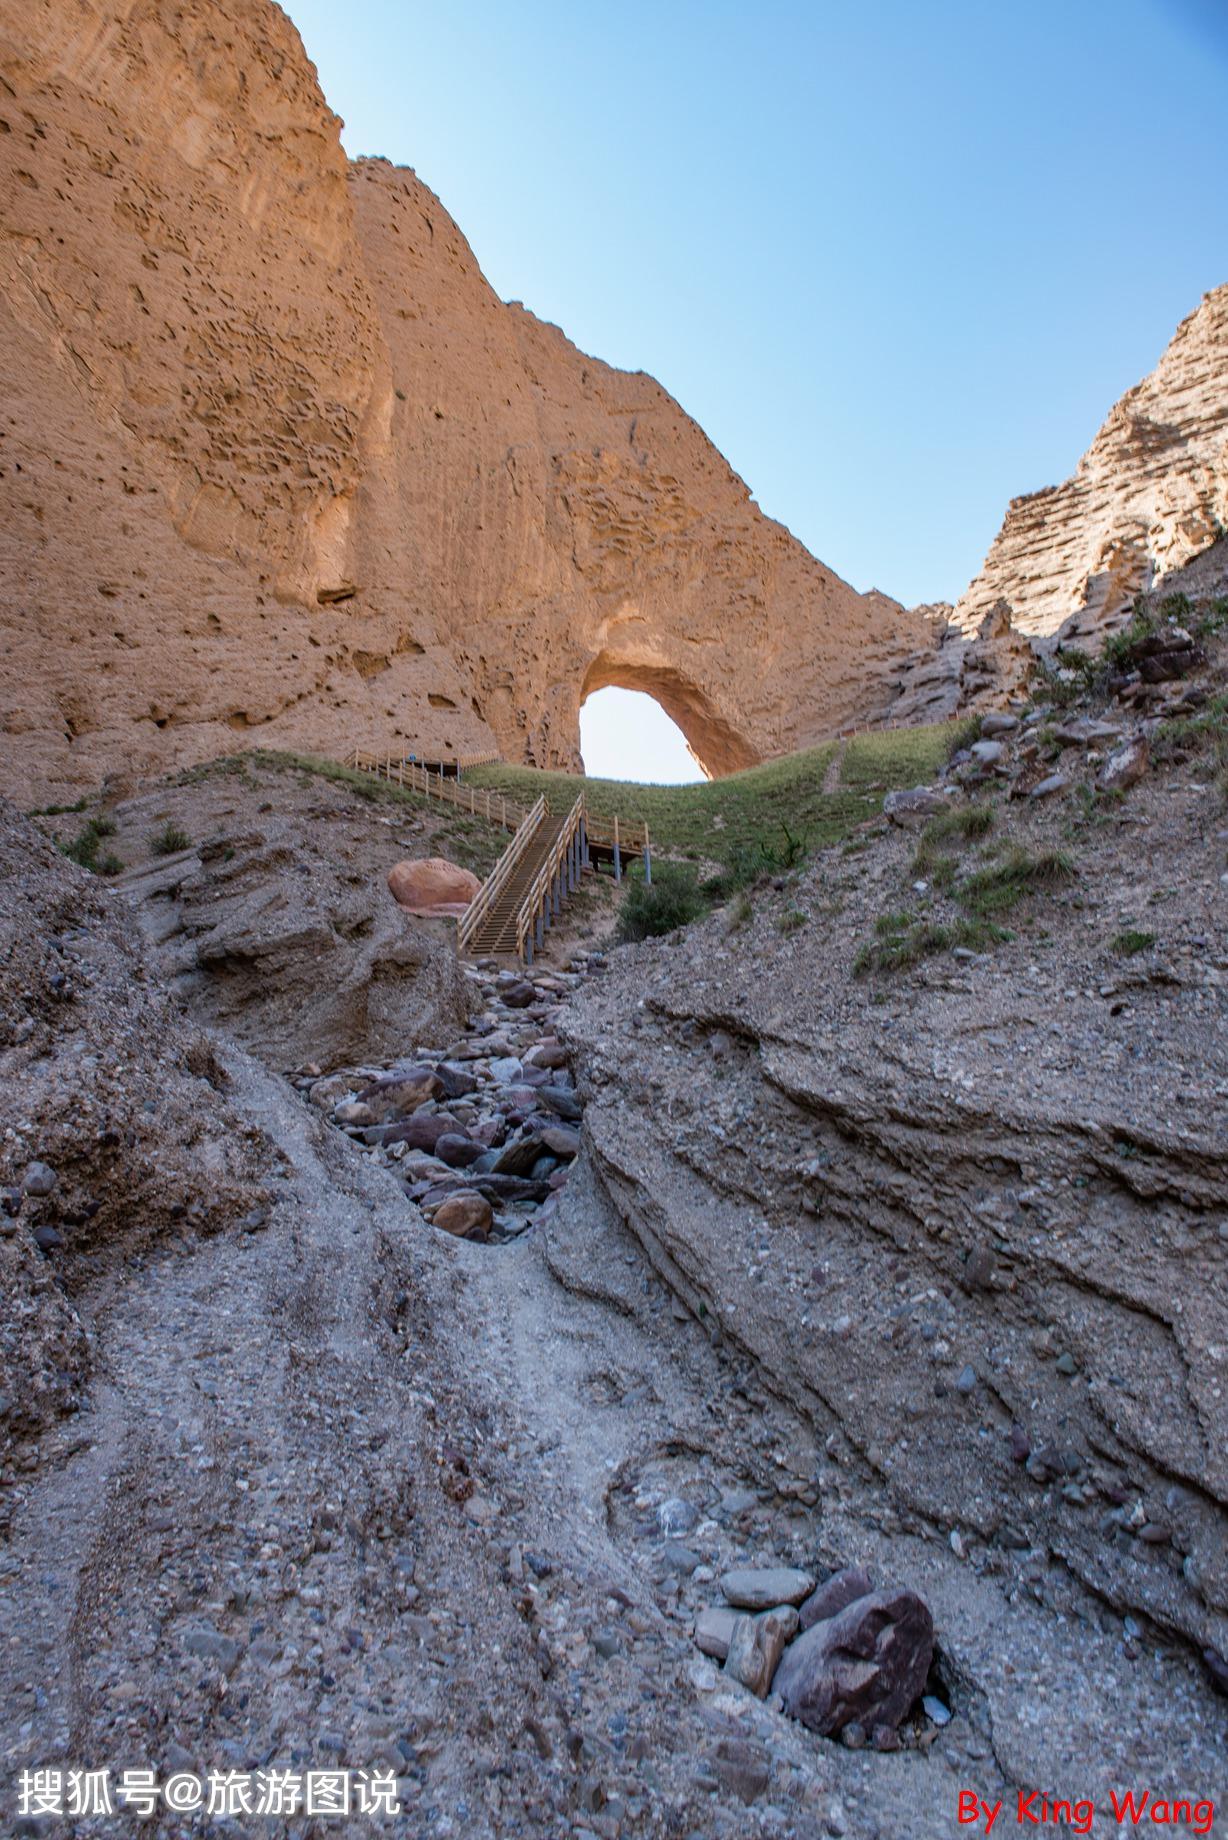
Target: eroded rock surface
279	464
1148	496
274	920
115	1131
969	1217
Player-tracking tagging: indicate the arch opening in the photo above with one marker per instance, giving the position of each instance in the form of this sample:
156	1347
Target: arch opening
713	744
625	734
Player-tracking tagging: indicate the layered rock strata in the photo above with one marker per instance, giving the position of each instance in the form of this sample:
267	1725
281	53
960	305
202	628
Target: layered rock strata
1148	496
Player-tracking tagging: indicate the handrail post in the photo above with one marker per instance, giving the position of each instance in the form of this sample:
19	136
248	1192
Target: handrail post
618	861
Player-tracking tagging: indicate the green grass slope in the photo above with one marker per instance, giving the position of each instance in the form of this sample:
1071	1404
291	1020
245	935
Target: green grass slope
761	809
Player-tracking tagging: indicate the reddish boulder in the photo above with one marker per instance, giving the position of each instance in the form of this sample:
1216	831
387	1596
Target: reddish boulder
457	1150
431	886
398	1094
423	1131
466	1214
867	1664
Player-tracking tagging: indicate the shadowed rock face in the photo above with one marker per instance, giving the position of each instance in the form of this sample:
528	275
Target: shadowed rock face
281	468
966	1219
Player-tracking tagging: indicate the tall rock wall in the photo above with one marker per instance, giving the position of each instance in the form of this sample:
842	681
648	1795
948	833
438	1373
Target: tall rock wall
1150	493
277	467
563	526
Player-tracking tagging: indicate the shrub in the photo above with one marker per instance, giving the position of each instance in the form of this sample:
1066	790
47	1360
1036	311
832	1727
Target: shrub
958	827
772	854
672	899
791	920
1130	941
963	822
741	912
1067	679
900	945
84	847
169	840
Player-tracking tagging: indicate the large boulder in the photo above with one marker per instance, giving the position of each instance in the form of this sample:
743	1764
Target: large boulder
835	1594
430	885
866	1664
915	806
399	1094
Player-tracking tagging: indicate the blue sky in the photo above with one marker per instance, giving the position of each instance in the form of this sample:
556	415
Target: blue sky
897	260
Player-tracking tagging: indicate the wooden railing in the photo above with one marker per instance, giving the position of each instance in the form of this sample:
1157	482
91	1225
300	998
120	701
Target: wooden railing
623	835
481	803
497	880
556	877
620	837
580	835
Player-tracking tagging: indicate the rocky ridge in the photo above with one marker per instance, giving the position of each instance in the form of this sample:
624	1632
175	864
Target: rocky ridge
1148	496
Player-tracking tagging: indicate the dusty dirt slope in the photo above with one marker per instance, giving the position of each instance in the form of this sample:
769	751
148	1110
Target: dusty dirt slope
919	1270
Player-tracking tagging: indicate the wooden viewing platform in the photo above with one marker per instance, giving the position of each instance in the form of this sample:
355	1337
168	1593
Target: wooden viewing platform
526	890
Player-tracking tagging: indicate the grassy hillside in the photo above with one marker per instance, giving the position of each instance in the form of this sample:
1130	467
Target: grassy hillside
763	807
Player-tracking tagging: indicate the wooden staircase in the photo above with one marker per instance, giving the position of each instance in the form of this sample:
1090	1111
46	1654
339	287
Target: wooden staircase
531	881
497	932
526	891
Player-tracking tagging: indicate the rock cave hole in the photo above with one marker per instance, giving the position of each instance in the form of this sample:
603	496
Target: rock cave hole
625	734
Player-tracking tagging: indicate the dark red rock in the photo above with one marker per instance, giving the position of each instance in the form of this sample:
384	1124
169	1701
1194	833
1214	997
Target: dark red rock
422	1131
398	1094
457	1150
561	1140
518	1157
551	1054
867	1665
834	1595
454	1081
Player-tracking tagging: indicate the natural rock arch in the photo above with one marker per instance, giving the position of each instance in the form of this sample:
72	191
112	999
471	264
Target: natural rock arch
715	743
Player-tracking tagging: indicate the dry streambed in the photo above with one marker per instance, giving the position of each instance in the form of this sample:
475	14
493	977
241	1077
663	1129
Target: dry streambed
481	1132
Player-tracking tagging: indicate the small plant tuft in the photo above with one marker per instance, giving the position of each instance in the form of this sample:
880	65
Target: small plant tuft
169	840
83	848
1130	941
741	912
1001	885
961	826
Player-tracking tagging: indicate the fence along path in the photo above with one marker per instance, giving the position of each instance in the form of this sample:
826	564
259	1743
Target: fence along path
528	886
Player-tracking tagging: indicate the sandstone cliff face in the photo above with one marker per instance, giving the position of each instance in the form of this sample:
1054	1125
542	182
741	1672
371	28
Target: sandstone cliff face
569	526
1150	493
276	459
